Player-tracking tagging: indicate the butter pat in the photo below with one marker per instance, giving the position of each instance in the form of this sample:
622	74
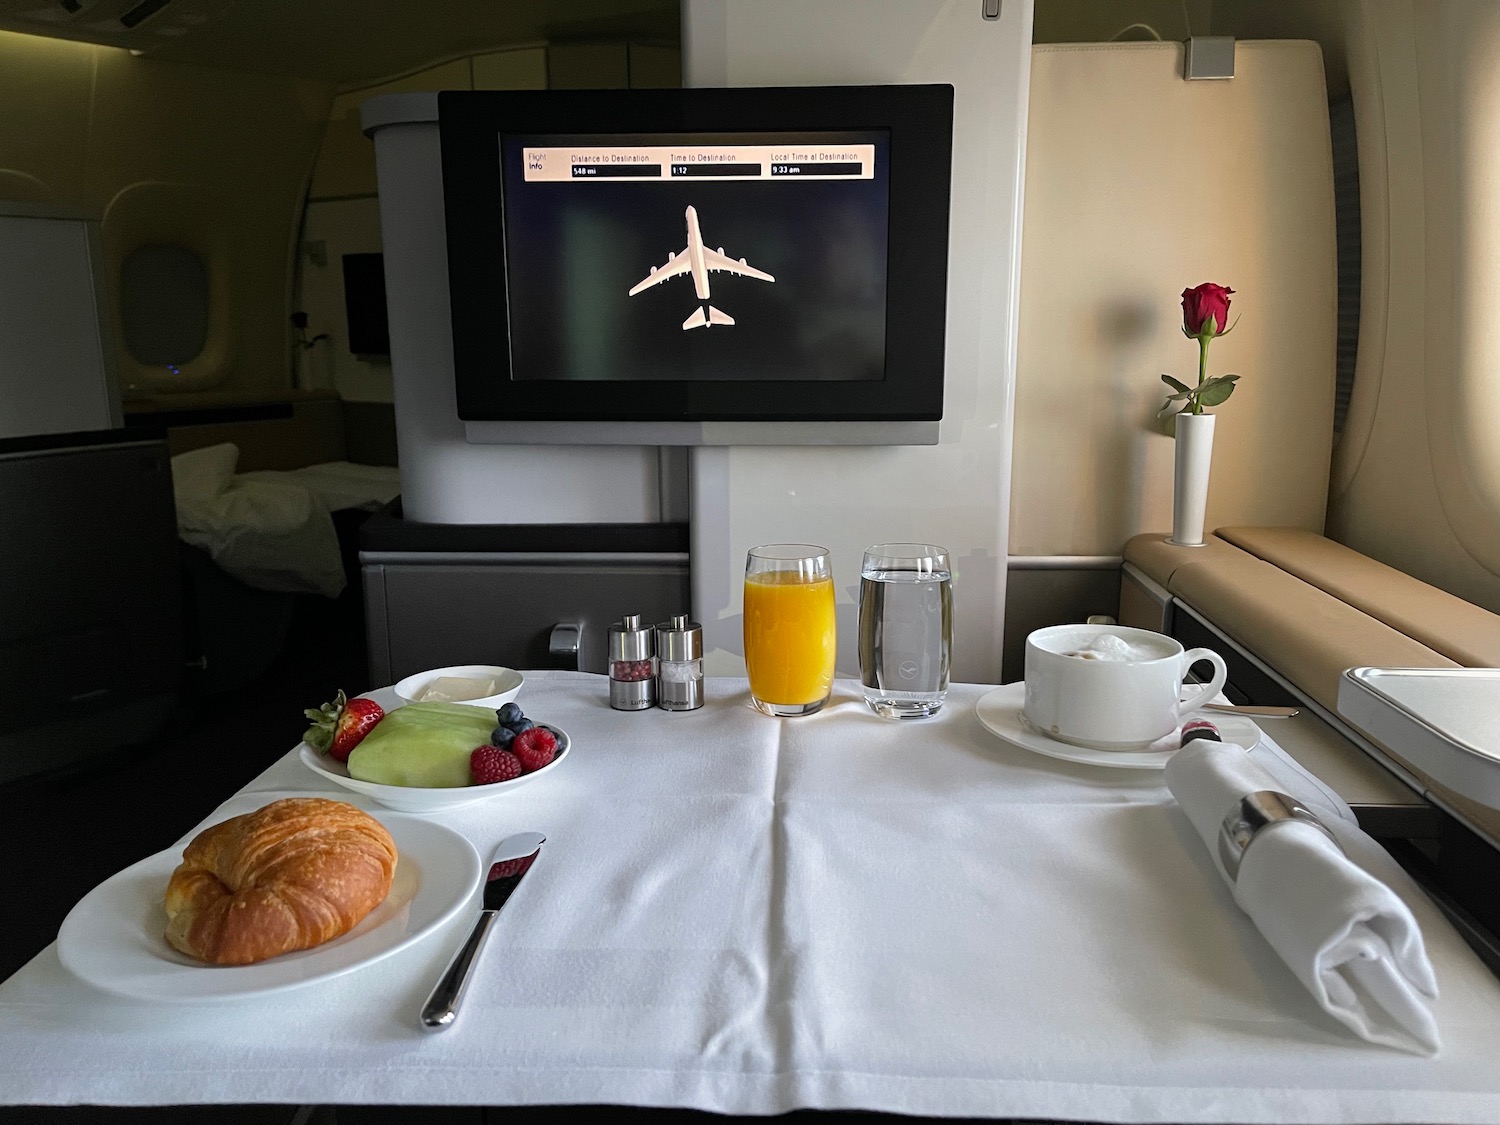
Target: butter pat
456	689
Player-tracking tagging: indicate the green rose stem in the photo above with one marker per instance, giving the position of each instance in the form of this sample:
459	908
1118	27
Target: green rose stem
1202	370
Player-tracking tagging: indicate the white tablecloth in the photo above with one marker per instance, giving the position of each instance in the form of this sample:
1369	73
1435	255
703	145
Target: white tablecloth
751	915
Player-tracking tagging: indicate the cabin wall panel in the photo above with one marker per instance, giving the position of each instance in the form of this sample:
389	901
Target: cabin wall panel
444	479
1413	473
1407	483
343	215
45	89
1141	184
955	493
1086	21
588	66
652	66
1331	23
1458	48
92	122
1403	481
337	227
346	160
521	69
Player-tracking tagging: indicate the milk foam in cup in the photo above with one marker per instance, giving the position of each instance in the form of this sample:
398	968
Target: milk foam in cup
1111	687
1111	646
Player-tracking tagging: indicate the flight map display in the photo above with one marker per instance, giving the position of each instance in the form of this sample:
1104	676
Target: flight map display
735	257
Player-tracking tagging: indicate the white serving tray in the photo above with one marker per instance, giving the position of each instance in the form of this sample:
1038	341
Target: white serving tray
1444	721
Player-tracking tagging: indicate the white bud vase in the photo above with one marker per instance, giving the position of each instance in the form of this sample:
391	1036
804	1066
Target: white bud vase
1194	454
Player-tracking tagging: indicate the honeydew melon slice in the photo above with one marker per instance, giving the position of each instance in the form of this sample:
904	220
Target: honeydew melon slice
423	745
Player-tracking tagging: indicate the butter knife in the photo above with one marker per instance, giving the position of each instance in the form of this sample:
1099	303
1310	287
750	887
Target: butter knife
513	858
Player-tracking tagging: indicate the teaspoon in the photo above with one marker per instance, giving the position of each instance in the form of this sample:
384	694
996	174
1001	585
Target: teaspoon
1261	712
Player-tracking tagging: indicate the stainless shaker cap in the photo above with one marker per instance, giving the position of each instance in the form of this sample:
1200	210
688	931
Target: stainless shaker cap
629	639
679	639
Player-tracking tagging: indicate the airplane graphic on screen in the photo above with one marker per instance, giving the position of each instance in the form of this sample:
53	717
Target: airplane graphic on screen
698	260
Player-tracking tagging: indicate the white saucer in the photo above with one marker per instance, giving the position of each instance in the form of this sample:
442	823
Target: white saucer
1000	713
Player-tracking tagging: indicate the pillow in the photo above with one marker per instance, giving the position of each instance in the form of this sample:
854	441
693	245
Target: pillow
202	474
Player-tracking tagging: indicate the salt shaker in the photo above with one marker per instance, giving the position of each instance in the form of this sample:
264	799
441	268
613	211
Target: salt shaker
679	648
632	665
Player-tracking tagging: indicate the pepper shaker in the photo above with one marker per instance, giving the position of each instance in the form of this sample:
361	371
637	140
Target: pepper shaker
632	665
679	648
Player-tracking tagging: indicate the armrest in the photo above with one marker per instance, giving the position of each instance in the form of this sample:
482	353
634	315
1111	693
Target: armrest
1292	619
1459	630
1306	634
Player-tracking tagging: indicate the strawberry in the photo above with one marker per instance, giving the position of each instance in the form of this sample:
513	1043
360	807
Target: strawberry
338	726
535	748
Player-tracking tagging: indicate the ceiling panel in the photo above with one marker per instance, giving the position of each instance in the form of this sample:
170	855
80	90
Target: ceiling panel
333	40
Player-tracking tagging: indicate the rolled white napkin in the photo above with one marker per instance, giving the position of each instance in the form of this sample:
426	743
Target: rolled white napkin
1346	935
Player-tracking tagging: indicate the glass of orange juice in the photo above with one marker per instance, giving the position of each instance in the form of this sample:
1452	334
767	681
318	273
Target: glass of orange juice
790	641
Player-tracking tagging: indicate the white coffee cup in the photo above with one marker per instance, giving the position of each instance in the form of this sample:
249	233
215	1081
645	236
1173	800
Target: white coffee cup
1111	687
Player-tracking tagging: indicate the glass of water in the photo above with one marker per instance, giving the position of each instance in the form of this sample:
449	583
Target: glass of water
905	628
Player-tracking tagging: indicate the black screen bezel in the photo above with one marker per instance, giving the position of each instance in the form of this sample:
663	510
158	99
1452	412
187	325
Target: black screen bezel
919	121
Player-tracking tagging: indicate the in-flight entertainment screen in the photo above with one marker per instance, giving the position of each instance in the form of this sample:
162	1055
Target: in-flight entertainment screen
712	257
698	255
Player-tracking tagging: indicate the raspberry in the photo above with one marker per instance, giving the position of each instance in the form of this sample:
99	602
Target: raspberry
489	764
534	747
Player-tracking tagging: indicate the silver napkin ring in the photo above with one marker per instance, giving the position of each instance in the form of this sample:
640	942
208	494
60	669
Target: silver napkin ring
1255	813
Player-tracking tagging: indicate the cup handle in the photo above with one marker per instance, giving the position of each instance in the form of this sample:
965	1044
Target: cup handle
1205	692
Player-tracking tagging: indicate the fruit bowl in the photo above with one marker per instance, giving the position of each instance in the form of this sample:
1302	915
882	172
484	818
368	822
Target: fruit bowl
507	680
408	798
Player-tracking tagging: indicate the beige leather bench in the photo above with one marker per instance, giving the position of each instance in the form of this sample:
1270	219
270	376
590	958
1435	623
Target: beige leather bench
1459	630
1308	608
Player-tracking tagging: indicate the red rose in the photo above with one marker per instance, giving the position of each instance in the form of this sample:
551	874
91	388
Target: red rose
1205	310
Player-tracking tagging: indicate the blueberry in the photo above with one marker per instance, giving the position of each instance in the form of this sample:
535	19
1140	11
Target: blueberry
517	728
502	736
510	714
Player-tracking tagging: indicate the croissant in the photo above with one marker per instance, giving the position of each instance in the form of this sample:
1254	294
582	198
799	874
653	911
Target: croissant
291	875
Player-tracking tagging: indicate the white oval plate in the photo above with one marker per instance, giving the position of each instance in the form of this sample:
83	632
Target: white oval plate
113	939
999	711
409	798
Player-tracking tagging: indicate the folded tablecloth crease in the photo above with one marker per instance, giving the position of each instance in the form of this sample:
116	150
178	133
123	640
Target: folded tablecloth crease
1347	936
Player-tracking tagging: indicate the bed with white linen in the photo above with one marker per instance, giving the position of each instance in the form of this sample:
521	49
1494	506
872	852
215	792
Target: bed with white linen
271	529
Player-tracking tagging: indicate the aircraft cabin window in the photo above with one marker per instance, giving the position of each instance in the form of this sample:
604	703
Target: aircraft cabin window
164	304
